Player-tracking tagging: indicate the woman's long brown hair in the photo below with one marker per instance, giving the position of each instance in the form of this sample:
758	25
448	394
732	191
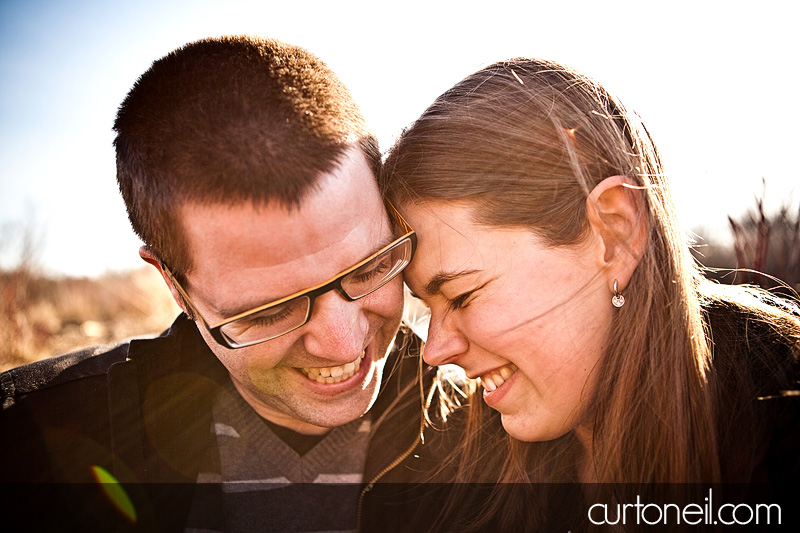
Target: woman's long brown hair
524	142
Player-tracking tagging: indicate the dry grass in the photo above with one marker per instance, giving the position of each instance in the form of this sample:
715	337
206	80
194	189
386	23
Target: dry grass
41	316
768	245
765	251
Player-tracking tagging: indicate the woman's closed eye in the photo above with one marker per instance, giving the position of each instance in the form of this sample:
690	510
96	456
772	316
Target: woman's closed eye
463	300
459	301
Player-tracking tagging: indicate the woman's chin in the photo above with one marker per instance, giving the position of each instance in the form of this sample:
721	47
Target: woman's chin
527	433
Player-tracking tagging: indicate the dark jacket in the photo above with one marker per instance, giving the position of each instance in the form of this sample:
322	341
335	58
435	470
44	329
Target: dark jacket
141	413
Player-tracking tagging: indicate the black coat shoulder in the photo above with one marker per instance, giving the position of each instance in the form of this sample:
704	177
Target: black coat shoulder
47	373
755	377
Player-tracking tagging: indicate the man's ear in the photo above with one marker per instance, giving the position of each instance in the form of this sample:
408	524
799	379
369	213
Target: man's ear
148	256
617	214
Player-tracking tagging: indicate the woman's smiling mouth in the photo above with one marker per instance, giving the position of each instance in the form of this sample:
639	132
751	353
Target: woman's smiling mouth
493	379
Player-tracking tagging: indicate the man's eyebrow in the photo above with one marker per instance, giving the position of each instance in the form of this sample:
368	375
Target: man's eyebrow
441	278
228	312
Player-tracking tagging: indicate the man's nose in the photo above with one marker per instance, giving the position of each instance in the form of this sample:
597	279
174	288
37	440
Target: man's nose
337	329
445	341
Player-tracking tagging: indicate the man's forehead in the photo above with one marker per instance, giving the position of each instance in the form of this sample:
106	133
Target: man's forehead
247	252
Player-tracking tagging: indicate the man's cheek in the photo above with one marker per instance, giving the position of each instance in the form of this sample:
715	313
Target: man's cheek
267	379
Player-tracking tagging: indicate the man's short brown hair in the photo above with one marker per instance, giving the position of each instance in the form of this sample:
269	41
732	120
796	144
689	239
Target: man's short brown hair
226	121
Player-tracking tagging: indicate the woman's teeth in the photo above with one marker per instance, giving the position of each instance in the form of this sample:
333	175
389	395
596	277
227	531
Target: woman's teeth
333	374
492	380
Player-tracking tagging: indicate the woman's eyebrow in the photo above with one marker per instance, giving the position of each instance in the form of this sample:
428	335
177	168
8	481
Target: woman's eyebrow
440	278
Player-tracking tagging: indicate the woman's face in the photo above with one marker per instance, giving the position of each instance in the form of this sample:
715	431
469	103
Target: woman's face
530	320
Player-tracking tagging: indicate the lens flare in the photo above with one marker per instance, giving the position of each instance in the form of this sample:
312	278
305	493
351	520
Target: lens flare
114	493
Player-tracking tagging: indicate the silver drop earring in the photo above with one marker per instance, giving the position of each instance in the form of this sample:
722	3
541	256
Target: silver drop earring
618	300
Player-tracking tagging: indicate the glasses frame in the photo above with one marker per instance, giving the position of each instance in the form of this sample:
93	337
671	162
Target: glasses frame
311	293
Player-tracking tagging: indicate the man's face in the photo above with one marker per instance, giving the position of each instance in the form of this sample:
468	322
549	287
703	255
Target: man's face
245	256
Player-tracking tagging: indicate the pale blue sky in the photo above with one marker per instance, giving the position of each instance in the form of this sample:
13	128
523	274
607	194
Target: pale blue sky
715	82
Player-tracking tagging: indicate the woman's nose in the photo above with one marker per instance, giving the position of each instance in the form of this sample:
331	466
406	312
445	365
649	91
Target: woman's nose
445	342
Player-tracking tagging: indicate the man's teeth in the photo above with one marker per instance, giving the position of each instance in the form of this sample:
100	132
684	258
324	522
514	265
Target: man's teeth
333	374
495	378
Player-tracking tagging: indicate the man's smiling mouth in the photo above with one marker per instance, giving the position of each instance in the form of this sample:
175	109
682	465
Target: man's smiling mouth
333	374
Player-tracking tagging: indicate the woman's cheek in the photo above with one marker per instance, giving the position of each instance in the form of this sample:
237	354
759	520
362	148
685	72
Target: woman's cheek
478	323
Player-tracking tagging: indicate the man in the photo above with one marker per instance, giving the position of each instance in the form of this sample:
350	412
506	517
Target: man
249	174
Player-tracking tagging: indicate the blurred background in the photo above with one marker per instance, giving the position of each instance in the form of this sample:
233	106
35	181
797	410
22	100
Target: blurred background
714	82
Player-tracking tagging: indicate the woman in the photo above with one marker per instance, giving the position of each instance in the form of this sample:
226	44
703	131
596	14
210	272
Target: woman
557	275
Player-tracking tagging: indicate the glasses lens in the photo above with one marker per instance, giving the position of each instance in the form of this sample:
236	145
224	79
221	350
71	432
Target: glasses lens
268	323
373	275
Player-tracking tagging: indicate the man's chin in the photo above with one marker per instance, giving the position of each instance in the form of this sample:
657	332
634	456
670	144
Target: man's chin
332	416
334	411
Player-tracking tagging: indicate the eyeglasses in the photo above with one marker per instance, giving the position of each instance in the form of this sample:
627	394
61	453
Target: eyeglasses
285	315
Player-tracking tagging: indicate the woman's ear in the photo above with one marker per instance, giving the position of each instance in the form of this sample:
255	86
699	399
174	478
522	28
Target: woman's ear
617	214
148	256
